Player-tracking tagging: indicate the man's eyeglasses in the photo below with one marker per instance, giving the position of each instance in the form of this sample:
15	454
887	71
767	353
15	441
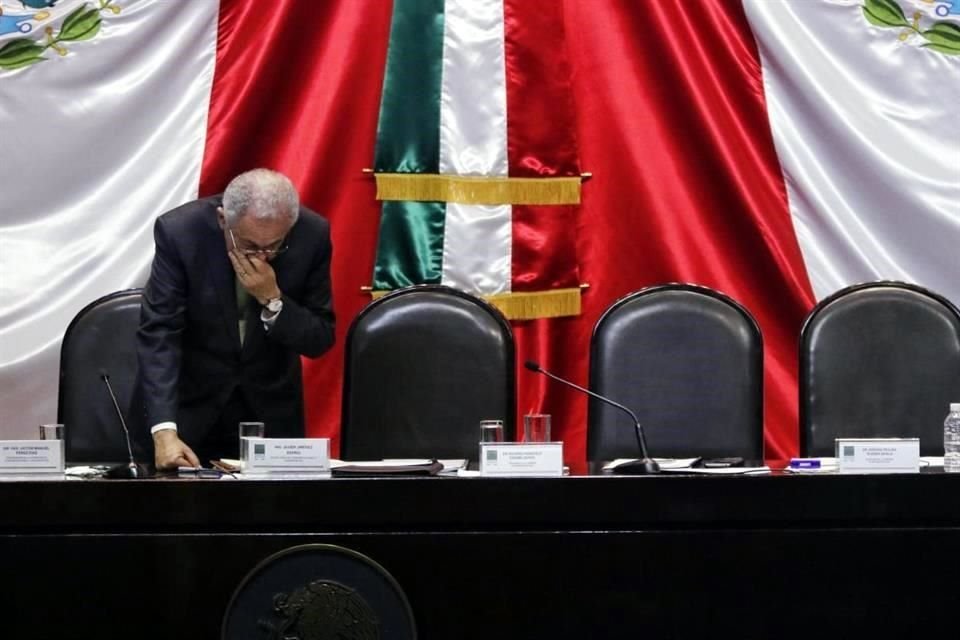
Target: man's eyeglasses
268	252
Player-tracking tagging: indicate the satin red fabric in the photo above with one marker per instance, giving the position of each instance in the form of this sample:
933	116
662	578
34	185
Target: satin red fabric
670	118
541	125
541	141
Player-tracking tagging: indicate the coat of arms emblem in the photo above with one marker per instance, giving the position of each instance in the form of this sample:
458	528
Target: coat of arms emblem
29	29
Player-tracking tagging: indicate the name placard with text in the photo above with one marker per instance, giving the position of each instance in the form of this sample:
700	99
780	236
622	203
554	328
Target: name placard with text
31	456
878	455
304	455
514	459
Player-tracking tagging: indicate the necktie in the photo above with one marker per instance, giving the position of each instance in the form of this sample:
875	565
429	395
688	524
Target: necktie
243	299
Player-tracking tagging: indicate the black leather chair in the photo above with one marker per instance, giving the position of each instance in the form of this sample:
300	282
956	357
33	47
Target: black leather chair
423	366
689	362
880	359
318	591
100	339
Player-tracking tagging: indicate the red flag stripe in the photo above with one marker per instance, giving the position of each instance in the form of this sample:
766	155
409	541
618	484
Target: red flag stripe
541	141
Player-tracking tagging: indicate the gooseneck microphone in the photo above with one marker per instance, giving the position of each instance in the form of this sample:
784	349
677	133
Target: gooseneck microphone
643	466
130	470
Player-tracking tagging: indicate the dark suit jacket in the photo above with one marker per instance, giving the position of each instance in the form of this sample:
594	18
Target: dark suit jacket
188	343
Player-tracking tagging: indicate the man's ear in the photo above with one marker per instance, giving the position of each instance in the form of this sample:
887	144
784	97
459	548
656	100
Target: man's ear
221	218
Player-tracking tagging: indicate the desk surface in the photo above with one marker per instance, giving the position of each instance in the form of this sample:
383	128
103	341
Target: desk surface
486	504
584	555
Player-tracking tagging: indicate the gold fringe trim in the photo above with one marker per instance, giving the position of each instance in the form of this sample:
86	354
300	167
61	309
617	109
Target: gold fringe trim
528	305
477	189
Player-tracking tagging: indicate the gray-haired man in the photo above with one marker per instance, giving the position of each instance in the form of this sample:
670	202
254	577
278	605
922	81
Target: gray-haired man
238	291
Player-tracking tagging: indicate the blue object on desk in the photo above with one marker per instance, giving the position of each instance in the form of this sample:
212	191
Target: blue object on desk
804	463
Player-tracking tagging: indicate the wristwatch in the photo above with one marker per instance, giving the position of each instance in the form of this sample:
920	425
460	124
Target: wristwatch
274	305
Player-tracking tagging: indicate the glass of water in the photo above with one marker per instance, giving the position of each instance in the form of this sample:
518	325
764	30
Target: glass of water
249	430
536	427
51	432
491	431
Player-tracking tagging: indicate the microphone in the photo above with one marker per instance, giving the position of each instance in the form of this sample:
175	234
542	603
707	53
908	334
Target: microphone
645	465
129	470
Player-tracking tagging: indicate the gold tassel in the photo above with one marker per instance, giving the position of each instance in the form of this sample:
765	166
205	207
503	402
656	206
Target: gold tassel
489	190
528	305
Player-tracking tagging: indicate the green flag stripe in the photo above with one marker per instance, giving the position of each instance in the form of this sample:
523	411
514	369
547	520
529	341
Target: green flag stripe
408	132
410	246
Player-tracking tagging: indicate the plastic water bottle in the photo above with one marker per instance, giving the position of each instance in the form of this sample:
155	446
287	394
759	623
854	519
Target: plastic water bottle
951	439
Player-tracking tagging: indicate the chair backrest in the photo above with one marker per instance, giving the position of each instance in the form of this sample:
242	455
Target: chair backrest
318	591
423	366
880	359
689	362
100	339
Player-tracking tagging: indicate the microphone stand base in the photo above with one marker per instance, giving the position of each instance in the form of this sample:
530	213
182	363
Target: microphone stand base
126	471
642	467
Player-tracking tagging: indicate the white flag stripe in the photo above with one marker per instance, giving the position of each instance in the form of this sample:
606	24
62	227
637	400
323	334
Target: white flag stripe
865	125
476	244
473	94
473	141
96	144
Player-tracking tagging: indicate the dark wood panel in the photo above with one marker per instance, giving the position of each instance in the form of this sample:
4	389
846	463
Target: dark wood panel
491	504
582	557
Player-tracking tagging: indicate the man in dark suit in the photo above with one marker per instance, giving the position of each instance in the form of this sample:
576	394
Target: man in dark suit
238	291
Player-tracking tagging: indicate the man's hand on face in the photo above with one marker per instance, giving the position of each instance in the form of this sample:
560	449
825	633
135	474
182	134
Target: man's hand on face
170	452
256	276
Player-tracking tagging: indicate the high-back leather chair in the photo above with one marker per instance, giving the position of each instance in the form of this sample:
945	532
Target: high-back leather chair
100	340
880	359
318	591
423	366
688	361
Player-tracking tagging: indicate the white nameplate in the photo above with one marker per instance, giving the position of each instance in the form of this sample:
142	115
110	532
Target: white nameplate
544	459
31	456
267	455
878	455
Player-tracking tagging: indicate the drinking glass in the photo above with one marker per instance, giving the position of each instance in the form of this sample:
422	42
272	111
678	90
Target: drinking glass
51	432
536	427
249	430
491	431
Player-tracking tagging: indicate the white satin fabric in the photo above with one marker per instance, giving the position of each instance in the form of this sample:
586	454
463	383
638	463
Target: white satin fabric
867	130
477	239
93	147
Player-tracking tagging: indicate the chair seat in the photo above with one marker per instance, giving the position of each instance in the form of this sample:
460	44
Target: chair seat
101	340
879	359
423	366
688	361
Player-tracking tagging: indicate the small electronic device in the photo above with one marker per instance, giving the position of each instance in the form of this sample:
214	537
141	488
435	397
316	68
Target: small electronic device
722	463
199	472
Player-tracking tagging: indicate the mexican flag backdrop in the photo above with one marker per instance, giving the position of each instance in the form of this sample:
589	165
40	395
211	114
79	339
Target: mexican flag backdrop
776	150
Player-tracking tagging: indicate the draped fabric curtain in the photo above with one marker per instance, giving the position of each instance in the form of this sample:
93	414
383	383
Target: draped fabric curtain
671	121
775	150
100	132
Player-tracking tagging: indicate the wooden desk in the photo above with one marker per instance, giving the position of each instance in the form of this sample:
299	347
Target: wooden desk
576	557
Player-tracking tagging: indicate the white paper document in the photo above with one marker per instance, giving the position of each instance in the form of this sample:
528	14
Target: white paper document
448	465
665	463
830	465
721	471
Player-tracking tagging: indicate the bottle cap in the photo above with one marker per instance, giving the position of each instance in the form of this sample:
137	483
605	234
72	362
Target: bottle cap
954	406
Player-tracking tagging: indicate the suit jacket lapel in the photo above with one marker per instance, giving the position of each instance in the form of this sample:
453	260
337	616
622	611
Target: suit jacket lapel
222	276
